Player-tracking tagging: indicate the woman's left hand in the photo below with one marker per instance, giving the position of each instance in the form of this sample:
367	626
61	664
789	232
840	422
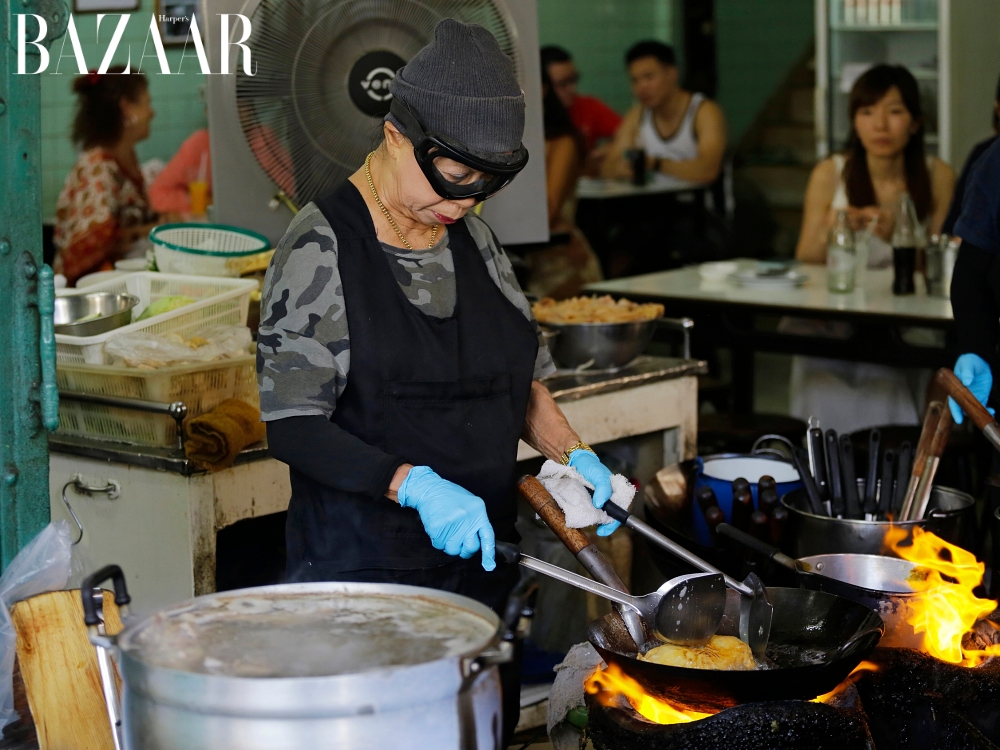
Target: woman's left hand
590	468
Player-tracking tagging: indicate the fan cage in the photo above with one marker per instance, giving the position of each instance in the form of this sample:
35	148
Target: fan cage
296	113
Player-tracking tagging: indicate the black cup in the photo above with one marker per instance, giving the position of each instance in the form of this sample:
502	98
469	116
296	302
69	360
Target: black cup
637	158
904	265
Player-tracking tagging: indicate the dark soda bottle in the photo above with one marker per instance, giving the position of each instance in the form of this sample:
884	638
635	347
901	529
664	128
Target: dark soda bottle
904	246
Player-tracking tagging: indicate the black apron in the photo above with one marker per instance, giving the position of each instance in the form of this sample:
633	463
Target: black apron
446	393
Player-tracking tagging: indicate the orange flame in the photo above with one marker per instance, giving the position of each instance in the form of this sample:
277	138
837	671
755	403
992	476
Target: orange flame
854	676
945	608
611	682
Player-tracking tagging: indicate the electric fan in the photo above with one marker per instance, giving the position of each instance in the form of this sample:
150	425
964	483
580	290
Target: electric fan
313	109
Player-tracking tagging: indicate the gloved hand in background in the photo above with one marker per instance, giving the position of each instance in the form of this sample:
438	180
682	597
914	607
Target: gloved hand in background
453	517
590	468
975	374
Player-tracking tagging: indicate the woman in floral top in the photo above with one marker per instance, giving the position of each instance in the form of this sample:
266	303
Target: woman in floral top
103	207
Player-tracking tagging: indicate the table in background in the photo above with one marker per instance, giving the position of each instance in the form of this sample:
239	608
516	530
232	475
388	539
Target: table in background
609	209
903	331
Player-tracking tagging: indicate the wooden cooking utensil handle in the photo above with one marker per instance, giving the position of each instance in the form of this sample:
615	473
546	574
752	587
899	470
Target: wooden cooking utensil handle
941	434
969	403
931	419
549	511
923	450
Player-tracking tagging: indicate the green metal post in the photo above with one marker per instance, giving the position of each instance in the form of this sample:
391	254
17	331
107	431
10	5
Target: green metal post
27	403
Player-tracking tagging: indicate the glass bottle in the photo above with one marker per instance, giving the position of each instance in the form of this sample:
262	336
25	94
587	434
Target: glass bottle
841	256
904	246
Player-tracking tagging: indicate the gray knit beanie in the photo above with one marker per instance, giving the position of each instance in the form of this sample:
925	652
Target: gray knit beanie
463	86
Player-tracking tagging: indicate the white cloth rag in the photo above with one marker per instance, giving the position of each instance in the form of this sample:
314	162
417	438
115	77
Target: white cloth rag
569	489
567	690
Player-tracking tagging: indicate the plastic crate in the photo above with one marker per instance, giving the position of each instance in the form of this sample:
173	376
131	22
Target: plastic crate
201	386
218	301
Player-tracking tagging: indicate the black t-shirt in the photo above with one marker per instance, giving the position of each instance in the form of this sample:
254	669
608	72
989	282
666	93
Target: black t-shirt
956	201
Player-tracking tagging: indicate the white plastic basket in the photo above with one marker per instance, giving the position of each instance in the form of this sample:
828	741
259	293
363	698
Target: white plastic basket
204	249
201	387
218	301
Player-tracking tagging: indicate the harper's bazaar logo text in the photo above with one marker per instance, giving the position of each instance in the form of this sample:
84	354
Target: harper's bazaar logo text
153	38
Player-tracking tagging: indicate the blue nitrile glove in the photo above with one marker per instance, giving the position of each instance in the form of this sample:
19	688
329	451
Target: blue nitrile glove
590	468
975	374
453	517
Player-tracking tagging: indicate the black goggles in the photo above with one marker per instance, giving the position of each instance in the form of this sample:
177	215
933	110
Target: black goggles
472	176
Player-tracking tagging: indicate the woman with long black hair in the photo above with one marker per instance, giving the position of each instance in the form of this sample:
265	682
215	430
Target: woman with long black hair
884	158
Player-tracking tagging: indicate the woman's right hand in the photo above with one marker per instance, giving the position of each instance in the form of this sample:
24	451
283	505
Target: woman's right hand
453	517
861	219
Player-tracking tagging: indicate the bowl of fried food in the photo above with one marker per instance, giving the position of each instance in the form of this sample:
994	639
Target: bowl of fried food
598	332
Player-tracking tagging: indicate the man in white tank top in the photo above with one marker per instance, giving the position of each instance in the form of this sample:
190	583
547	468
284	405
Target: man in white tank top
682	133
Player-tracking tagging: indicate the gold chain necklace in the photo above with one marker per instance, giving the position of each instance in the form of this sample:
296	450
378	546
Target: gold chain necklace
385	211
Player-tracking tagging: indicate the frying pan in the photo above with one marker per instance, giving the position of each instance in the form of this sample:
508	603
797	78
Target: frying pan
816	640
877	582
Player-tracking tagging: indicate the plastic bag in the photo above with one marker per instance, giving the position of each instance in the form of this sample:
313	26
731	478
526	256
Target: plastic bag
44	565
152	350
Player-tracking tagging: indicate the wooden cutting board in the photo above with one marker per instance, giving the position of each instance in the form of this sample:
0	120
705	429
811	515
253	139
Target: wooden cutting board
59	667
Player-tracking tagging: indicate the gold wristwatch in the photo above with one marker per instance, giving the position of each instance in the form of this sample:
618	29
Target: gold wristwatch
580	446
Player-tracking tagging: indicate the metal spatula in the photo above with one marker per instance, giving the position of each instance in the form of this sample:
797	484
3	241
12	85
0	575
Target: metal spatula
756	611
686	610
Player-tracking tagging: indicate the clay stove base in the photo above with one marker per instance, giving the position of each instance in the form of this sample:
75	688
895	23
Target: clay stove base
912	702
769	725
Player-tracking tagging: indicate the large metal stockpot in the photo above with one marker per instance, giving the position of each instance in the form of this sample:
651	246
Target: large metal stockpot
318	666
951	515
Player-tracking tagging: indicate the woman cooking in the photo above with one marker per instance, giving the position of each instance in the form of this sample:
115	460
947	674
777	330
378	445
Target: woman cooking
398	361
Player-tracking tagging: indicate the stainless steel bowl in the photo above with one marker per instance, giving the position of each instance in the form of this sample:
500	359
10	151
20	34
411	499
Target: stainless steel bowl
605	344
549	336
94	313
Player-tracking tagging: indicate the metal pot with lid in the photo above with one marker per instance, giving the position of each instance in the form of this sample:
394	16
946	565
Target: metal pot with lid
317	665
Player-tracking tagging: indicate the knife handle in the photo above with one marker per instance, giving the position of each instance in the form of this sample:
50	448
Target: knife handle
801	461
742	509
888	472
904	464
818	451
871	477
705	497
836	480
849	478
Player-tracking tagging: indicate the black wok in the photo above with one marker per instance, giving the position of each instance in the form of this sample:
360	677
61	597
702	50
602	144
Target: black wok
817	639
878	582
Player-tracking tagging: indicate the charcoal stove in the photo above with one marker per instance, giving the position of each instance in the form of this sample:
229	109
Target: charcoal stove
768	725
912	701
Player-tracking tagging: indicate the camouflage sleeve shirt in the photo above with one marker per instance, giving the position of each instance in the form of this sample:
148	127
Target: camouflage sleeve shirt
304	340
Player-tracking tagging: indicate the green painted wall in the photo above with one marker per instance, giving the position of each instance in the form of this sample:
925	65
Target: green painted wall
757	41
597	33
177	99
